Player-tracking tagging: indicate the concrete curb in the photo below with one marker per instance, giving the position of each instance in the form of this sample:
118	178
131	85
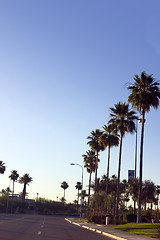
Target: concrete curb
95	230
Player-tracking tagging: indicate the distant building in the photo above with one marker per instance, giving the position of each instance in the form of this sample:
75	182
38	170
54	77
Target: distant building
131	174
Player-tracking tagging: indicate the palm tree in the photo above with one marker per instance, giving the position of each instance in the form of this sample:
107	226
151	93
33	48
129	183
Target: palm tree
64	185
96	147
89	163
14	176
83	195
108	139
25	180
122	121
79	187
145	93
2	167
6	191
133	190
157	194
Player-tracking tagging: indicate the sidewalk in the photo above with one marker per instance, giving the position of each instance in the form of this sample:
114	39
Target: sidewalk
109	232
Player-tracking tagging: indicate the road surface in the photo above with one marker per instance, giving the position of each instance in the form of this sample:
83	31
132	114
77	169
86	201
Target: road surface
37	227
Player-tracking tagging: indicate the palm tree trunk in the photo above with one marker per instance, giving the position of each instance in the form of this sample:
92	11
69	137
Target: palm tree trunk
119	170
13	188
96	167
24	192
108	170
135	169
139	218
78	196
64	193
89	189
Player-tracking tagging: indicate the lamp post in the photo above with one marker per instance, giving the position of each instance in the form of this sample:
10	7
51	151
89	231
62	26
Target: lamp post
82	184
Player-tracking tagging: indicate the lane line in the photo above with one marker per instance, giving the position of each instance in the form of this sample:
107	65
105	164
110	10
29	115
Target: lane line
12	220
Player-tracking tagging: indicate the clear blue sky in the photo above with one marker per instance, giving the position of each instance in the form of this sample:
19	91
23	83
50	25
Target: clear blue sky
63	63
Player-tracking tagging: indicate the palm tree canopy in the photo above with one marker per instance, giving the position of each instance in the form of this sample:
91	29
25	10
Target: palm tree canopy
108	138
14	175
122	119
2	167
89	160
145	92
94	143
78	185
26	179
64	185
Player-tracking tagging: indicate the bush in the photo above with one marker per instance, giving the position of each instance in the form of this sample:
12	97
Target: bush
116	220
129	218
121	219
98	219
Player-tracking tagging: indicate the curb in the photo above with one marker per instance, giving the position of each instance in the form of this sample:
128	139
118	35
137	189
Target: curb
95	230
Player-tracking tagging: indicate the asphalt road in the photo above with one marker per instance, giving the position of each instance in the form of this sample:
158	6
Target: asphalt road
37	227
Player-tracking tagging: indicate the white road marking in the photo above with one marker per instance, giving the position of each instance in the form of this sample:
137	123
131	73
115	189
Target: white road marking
76	223
39	233
113	236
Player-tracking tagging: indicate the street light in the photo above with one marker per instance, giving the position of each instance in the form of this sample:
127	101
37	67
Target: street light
73	164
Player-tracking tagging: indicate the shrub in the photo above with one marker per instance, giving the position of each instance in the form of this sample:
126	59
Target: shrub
98	219
121	219
129	218
116	220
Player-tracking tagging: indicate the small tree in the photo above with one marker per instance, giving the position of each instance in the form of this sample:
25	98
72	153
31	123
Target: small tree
2	167
108	139
96	147
25	180
89	164
79	187
64	185
14	176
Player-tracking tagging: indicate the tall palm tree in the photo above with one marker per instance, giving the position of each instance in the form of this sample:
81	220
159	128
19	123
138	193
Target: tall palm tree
145	93
108	139
64	185
122	121
157	193
25	180
78	187
89	164
14	176
2	167
95	147
149	193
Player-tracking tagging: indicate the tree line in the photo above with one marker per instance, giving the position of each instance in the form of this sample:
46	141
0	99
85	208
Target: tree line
14	176
144	94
